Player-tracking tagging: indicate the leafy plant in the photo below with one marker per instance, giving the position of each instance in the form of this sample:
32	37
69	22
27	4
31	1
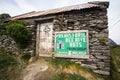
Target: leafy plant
4	17
3	29
26	57
8	67
17	30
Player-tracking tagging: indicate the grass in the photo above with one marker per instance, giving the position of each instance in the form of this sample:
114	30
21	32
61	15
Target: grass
8	67
63	69
26	57
115	63
72	68
63	76
66	68
57	62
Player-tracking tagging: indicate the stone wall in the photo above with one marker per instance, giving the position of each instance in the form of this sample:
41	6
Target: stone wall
8	43
95	21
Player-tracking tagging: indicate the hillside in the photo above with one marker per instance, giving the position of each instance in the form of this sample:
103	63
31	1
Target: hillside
115	63
52	69
9	66
57	69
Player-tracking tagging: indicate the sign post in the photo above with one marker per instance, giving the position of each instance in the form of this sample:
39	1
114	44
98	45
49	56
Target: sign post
72	44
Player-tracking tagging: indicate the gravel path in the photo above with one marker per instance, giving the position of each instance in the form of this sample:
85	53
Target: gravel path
33	69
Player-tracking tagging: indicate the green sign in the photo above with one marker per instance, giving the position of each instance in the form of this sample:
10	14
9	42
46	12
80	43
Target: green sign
72	43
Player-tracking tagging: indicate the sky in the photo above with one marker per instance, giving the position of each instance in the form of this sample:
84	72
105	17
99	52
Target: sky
17	7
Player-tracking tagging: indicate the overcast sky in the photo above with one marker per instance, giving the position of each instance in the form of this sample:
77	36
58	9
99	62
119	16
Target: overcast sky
16	7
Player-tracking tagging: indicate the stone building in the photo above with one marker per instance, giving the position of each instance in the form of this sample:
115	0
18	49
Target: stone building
90	17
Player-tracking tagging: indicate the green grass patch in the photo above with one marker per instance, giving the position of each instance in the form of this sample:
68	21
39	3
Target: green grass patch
60	63
57	62
8	67
63	76
26	57
115	63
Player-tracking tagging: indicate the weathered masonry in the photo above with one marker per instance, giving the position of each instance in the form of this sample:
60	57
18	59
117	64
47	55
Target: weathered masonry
77	32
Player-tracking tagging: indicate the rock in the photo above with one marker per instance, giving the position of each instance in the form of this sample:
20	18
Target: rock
102	72
32	59
101	57
119	70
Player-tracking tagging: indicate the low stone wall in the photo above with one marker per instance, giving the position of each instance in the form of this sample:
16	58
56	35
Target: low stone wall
8	43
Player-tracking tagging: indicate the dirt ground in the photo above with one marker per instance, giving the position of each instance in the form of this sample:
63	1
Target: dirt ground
37	71
43	70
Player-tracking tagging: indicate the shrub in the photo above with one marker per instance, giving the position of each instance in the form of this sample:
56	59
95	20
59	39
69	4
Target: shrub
4	17
2	29
8	67
17	30
26	57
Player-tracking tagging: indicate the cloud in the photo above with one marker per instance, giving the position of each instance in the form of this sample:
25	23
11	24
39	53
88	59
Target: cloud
63	3
24	5
114	33
15	7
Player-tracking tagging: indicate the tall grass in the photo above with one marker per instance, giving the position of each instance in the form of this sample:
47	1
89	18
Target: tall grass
8	67
115	63
64	76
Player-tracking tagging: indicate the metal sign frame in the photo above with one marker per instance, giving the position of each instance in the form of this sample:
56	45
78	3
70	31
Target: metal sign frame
72	55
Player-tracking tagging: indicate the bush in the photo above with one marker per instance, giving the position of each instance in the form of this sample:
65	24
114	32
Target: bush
8	67
4	17
17	30
3	29
26	57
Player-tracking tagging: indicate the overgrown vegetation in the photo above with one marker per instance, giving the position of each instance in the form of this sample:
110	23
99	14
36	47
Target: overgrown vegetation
103	41
4	17
17	30
3	29
63	76
26	57
67	68
9	66
57	62
115	63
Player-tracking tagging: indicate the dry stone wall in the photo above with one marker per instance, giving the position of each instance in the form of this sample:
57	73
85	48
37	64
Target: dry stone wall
8	43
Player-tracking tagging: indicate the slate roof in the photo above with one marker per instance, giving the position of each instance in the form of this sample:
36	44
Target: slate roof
54	11
111	42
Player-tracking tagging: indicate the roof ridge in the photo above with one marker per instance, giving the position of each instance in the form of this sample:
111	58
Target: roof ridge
61	9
